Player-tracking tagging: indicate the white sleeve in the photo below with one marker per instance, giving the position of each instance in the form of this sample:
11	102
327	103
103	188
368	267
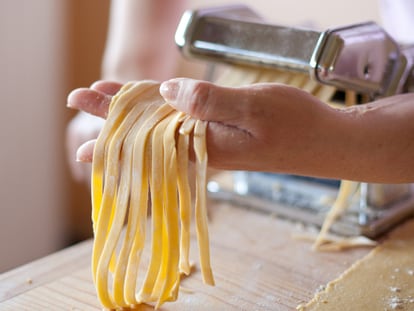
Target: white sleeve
398	19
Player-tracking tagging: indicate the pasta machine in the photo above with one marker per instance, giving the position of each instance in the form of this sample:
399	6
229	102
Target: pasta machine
362	58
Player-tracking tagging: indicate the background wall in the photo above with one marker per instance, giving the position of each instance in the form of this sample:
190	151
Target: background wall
47	48
32	82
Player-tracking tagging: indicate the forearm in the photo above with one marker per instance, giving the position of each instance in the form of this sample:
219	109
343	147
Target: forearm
372	142
140	42
383	139
281	129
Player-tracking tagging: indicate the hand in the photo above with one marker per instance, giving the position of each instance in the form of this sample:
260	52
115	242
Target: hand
247	128
262	127
131	53
85	127
140	41
278	128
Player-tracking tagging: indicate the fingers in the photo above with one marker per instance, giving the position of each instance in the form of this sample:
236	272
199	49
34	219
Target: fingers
85	151
230	113
81	128
91	101
94	100
246	123
106	87
207	101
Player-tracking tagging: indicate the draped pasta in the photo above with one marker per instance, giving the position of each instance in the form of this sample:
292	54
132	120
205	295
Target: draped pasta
139	166
140	162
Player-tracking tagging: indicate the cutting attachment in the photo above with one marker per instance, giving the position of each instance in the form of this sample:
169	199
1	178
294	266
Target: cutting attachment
362	58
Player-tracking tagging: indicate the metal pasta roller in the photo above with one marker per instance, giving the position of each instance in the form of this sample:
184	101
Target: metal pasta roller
362	58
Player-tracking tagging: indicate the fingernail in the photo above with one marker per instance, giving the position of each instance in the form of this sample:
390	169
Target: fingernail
169	90
73	98
85	152
69	100
80	157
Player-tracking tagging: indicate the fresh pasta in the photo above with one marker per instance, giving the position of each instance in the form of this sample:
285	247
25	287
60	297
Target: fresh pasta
140	162
140	165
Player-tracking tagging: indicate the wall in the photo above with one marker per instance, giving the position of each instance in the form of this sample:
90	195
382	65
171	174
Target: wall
47	48
32	58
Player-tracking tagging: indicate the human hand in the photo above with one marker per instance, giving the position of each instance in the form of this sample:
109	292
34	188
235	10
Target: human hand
262	127
131	53
82	131
278	128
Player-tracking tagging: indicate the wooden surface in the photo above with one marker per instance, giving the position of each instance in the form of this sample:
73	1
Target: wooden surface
256	262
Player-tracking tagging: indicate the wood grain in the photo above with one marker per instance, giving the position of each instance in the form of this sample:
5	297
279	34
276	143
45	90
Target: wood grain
256	263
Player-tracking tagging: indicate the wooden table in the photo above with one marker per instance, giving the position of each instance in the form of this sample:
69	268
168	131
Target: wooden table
256	262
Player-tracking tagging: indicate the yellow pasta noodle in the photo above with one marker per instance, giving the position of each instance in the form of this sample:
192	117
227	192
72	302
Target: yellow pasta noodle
184	194
140	164
346	190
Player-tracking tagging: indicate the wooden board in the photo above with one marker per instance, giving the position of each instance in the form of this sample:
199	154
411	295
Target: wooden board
256	263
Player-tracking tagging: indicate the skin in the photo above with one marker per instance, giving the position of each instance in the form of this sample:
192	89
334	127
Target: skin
265	127
140	35
278	128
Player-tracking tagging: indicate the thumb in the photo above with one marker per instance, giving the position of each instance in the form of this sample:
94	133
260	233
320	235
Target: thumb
205	101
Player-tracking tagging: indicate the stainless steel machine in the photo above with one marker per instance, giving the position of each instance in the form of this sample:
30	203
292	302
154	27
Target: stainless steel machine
362	58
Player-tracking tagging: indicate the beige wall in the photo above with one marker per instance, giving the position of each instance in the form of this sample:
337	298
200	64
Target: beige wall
47	48
44	52
32	56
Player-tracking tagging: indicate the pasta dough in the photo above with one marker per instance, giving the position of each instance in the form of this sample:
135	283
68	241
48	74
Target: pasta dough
140	163
141	159
383	280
